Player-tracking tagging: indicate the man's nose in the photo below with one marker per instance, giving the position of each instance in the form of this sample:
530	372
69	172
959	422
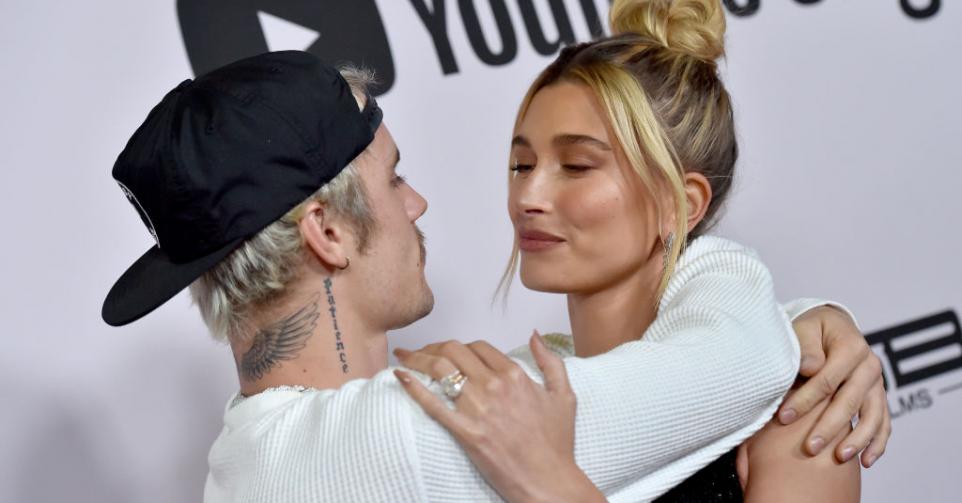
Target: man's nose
415	205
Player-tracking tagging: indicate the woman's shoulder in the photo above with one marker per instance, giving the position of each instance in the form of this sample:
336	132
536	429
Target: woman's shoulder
718	257
707	244
562	345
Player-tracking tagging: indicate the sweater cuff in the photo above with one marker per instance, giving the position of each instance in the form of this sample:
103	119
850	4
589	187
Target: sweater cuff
798	307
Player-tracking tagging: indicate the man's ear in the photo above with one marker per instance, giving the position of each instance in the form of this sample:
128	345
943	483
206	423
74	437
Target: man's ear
324	235
698	193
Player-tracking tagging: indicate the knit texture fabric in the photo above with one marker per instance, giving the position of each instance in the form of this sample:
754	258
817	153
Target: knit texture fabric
709	372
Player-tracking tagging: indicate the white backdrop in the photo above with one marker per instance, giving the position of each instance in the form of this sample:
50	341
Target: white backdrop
848	113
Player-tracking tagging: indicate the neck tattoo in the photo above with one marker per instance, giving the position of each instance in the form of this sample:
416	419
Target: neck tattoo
339	344
282	340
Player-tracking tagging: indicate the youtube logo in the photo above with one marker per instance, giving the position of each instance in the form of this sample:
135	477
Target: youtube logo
217	32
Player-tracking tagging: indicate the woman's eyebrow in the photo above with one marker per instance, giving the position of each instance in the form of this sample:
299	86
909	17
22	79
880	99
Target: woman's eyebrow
580	139
564	140
520	141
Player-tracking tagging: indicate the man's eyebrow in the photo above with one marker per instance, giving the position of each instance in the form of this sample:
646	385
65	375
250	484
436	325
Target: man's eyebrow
580	139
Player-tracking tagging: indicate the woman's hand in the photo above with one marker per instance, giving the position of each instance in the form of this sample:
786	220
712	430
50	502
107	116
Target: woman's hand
519	434
837	361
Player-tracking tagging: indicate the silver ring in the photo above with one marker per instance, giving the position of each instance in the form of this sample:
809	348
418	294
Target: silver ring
451	384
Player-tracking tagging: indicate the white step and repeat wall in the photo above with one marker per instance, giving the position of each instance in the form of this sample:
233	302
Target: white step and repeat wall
849	117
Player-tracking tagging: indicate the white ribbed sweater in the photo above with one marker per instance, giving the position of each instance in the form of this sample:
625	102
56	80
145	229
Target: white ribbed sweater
706	375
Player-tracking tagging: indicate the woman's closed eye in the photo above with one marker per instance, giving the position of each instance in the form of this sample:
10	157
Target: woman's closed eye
521	168
576	168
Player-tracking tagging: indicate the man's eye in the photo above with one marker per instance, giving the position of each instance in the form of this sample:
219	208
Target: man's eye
521	168
398	180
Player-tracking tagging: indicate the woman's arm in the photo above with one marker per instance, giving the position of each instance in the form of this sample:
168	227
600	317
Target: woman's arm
520	434
709	372
778	469
647	409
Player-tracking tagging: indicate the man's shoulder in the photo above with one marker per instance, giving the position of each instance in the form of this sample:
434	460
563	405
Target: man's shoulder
291	405
302	441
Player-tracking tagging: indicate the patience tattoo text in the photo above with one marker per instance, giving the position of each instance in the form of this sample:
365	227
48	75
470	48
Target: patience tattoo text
339	344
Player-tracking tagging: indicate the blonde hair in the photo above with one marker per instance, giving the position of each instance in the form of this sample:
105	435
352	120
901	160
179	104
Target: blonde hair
657	79
259	270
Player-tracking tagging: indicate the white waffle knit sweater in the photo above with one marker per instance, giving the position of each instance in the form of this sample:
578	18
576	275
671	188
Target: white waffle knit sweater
706	375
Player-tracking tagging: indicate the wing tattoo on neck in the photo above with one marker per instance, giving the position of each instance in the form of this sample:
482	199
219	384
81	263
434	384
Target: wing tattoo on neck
282	340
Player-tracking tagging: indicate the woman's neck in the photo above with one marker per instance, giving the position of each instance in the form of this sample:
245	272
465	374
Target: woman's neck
621	312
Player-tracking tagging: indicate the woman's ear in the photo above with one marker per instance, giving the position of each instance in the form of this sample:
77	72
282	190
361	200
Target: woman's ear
698	192
324	236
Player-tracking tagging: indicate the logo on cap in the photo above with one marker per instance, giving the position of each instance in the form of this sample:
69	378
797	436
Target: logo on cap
140	209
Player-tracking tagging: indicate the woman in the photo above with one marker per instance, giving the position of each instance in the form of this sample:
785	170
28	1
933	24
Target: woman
623	153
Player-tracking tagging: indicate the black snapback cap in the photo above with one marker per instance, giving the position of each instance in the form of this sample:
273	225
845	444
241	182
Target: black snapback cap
222	157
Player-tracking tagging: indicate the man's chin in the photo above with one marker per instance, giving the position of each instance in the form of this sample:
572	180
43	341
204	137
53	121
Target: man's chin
427	304
419	311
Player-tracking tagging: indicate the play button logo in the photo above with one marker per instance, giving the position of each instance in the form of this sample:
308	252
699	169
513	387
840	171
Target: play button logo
217	32
282	34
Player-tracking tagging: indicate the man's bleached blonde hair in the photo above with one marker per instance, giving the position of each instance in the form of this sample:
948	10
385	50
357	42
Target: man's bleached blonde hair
259	271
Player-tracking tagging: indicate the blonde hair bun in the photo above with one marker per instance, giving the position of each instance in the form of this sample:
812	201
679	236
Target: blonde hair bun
692	27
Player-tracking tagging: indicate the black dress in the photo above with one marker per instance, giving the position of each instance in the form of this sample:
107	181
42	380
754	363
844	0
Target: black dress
717	482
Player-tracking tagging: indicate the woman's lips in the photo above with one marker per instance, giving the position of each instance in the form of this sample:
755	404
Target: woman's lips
538	241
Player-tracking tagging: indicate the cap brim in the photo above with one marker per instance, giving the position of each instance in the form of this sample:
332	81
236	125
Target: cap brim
152	280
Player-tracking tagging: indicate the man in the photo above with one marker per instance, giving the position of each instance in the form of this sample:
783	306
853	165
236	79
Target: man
270	187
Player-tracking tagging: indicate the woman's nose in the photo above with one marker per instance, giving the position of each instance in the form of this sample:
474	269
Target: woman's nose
533	195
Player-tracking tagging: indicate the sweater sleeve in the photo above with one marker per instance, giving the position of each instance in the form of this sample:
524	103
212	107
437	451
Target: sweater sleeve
798	307
708	373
